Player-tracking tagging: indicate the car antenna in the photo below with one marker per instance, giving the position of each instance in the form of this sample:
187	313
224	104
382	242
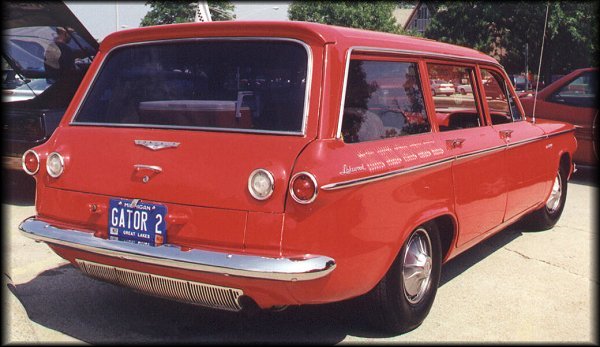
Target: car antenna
537	84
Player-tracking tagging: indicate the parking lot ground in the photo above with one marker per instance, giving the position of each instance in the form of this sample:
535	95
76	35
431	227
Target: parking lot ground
517	286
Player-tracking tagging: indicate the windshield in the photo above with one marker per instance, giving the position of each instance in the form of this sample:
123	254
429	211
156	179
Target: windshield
215	85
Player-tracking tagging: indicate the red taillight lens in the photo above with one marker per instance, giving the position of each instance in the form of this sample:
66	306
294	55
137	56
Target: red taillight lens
303	188
31	162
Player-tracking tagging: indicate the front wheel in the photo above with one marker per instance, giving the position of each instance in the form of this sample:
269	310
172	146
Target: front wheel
402	299
548	215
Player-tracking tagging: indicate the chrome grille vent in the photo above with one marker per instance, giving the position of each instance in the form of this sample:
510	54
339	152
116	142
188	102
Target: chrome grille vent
166	287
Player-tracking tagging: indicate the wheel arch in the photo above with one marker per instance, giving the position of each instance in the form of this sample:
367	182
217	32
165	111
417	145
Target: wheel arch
447	225
565	163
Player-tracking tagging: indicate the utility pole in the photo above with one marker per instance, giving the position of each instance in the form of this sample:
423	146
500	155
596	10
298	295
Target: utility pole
202	12
526	66
116	16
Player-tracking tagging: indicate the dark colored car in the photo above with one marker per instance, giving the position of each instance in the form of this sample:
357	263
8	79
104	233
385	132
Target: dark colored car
572	99
29	44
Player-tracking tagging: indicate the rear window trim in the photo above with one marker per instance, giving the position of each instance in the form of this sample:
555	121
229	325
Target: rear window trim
309	73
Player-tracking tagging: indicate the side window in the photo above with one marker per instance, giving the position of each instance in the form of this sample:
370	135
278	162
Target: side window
581	92
503	108
452	89
383	100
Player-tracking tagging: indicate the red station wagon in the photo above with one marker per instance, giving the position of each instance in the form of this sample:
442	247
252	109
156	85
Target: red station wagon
288	164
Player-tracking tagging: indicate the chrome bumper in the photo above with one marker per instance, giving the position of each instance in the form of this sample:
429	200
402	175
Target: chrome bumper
304	268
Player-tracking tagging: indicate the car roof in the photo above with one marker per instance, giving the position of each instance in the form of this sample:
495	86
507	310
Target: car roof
312	33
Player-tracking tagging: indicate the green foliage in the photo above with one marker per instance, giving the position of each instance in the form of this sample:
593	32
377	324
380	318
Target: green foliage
169	12
502	29
376	16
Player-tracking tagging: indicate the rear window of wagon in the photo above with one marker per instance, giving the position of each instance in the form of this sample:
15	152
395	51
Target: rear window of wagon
228	85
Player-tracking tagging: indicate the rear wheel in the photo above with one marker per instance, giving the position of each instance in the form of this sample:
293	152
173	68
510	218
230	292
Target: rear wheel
403	298
548	215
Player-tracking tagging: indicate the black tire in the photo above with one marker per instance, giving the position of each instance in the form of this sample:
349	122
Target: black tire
393	307
546	217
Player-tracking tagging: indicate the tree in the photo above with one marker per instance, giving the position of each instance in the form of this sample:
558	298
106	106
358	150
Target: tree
376	16
169	12
503	29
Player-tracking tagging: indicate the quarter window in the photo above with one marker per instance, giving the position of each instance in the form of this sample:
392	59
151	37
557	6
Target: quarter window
383	100
452	88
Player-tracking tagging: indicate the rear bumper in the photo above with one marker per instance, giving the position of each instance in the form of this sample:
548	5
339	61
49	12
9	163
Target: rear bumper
308	267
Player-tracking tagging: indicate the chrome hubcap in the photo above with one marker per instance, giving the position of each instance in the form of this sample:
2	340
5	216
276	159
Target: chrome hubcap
553	202
416	272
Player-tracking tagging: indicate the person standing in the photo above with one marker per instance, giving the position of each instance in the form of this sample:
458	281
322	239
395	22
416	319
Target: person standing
59	59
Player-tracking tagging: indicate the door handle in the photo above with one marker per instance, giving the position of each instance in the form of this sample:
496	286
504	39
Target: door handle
455	143
506	134
154	168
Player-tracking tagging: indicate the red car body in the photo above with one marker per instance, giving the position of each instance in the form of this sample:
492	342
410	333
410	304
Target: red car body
340	243
582	114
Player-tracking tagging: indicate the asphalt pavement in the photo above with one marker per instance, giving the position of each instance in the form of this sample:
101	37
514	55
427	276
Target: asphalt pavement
517	286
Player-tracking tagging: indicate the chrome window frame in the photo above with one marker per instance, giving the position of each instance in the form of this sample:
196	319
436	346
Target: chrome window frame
309	73
406	52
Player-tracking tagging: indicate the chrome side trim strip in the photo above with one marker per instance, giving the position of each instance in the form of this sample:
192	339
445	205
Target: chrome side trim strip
309	73
524	142
383	176
307	267
379	177
560	133
481	152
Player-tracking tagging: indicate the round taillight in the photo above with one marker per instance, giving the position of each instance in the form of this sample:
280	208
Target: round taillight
303	188
55	164
31	162
261	184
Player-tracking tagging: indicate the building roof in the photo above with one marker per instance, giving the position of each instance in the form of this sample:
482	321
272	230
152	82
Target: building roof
402	15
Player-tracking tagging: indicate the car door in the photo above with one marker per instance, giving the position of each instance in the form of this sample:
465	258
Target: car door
479	169
525	168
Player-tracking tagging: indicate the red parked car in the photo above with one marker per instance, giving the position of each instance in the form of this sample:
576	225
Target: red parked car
268	167
572	99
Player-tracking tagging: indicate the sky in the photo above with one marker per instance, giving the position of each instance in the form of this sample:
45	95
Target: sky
100	17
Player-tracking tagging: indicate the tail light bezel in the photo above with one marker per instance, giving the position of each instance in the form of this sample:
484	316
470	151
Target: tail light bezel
314	182
37	157
271	183
62	164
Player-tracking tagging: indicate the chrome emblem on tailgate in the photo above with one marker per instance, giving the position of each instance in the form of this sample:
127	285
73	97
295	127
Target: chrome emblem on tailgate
156	145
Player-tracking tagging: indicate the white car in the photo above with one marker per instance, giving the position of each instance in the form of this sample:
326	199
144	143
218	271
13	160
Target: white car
25	91
441	87
464	89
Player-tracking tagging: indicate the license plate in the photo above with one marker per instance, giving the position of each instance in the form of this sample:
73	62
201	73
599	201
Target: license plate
142	223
